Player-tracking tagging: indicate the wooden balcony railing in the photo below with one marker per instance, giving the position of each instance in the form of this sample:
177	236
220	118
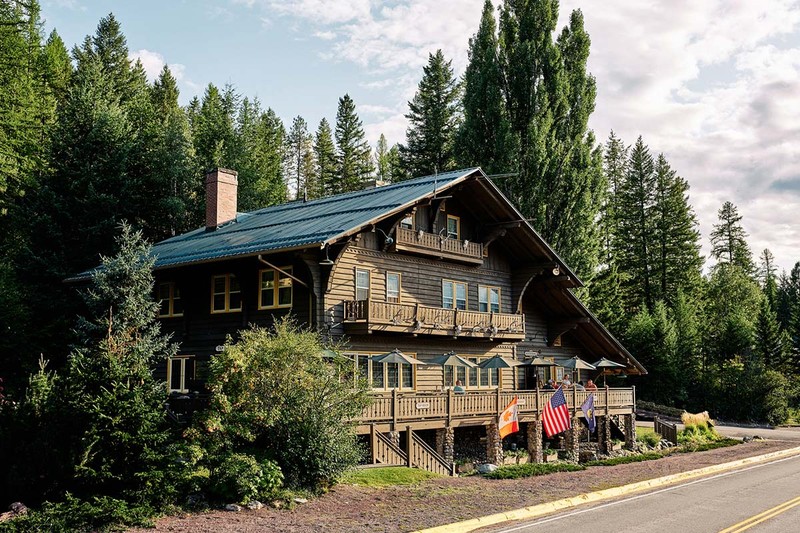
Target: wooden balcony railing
367	316
422	242
407	407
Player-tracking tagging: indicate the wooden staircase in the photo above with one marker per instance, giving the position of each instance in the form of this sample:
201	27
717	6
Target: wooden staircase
417	453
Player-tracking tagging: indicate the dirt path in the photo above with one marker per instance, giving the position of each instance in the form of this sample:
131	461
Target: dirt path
445	500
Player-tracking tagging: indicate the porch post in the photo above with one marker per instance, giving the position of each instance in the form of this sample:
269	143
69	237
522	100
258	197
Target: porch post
448	446
630	430
494	444
573	440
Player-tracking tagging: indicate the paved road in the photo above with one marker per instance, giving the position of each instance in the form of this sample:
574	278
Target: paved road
763	498
739	432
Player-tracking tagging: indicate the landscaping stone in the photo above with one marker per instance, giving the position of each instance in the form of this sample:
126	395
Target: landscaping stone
486	468
254	505
300	500
277	504
232	507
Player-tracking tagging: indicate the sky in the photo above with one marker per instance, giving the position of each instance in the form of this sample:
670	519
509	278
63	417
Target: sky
713	85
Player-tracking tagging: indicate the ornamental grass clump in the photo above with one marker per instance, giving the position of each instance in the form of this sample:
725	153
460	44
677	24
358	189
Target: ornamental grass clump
531	469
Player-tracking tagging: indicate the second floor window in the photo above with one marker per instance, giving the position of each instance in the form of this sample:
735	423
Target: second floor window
362	284
454	295
275	288
180	373
488	299
393	287
226	295
453	227
169	300
407	222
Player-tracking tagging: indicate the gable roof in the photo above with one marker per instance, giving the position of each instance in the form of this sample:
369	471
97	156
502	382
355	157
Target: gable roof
299	224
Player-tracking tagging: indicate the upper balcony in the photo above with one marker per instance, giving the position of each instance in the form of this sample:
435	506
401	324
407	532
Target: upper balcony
369	316
429	244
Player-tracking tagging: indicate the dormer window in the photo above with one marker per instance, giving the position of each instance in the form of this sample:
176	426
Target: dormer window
453	227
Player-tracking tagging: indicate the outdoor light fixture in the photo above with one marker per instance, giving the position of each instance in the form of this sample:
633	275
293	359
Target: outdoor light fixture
556	270
389	240
327	261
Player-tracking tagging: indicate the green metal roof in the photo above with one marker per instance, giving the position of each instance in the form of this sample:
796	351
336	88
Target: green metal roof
298	224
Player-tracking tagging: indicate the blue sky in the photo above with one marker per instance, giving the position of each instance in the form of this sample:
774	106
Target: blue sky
714	85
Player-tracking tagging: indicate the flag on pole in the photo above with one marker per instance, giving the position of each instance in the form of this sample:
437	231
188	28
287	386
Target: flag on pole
555	416
588	412
508	422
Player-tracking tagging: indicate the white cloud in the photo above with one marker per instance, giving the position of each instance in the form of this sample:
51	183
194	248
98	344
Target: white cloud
325	35
153	62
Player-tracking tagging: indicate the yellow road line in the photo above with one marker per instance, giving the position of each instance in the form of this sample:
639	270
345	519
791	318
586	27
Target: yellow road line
760	517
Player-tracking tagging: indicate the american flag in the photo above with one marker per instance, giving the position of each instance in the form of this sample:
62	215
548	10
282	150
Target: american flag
555	417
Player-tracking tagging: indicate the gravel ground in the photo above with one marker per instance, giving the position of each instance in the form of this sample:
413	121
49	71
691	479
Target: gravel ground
445	500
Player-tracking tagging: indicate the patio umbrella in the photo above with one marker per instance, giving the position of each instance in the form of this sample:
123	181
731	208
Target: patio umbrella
451	359
606	365
396	356
576	363
498	362
537	361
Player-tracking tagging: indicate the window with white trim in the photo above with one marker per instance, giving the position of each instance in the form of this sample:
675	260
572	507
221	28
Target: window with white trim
275	288
393	287
454	295
453	227
488	299
180	373
362	284
384	376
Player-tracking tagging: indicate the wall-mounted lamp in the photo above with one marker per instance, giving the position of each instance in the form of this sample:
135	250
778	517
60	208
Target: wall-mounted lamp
389	240
556	270
327	261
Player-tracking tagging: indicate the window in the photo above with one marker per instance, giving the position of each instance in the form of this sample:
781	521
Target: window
170	303
383	376
180	373
407	222
453	227
362	284
454	295
471	377
488	299
226	295
276	288
393	287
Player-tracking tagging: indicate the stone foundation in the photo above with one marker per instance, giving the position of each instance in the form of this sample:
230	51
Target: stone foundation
604	433
445	443
573	439
630	430
394	438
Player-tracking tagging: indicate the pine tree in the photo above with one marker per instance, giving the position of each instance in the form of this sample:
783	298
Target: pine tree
396	170
653	341
298	152
484	137
688	348
325	159
353	154
262	141
772	345
767	277
383	172
676	238
213	132
729	240
433	119
549	97
615	167
634	235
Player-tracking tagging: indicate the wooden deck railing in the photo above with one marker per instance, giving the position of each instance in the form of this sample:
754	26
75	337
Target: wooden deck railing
432	244
401	407
415	318
667	430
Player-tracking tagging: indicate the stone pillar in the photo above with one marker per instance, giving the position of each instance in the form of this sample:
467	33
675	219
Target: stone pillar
494	445
394	438
445	443
440	441
573	440
630	430
604	433
535	441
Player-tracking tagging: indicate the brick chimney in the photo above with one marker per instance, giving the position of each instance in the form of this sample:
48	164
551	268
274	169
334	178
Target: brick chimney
221	189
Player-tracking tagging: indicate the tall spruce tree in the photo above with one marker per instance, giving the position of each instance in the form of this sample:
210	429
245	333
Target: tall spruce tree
676	239
633	241
433	117
262	141
325	159
729	240
771	344
615	167
768	278
382	168
484	137
213	132
299	170
353	153
549	97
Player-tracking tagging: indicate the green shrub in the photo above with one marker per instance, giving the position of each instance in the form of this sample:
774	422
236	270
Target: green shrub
658	408
76	515
531	469
698	434
650	438
775	398
241	477
705	446
386	476
649	456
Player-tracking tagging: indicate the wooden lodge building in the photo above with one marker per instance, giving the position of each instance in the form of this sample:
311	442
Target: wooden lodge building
428	266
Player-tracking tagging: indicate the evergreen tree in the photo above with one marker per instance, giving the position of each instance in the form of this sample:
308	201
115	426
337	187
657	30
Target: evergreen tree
729	240
676	238
549	97
771	344
484	137
325	159
353	154
395	164
615	167
213	132
633	241
653	341
607	299
433	119
768	278
382	167
298	157
688	349
262	142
